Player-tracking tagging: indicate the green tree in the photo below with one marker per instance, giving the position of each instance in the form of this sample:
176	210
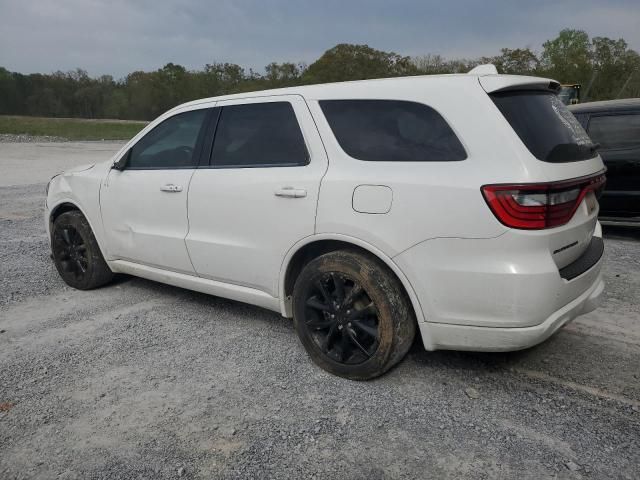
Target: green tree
45	102
229	75
607	68
357	62
9	94
169	87
614	66
432	64
568	56
519	61
282	74
138	87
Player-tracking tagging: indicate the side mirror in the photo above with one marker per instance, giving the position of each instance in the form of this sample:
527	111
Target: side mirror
121	164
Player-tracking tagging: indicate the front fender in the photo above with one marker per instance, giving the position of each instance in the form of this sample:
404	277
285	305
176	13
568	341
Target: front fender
80	189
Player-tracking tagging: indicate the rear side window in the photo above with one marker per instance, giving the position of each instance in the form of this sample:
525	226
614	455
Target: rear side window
615	131
545	125
259	135
392	131
169	145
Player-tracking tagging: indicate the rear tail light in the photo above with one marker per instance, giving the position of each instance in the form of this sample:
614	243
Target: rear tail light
536	206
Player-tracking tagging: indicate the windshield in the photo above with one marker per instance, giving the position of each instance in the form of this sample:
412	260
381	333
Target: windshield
545	126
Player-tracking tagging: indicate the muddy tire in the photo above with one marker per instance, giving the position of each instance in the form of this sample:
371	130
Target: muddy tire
352	315
76	253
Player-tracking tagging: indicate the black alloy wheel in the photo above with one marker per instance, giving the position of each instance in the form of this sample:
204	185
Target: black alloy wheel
352	314
76	253
70	250
342	319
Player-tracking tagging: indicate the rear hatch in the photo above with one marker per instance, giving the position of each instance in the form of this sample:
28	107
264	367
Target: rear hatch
563	208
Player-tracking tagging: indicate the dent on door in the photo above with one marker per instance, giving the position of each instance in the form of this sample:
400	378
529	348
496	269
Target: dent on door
144	213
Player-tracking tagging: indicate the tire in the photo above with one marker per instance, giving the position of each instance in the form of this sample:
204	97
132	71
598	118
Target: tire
76	253
374	310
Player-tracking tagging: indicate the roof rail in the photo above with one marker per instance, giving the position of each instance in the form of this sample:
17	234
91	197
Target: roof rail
486	69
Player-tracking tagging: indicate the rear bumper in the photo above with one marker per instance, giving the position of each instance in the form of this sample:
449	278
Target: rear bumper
464	337
499	294
591	256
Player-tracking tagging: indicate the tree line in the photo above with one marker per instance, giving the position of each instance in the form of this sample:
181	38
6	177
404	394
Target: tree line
605	67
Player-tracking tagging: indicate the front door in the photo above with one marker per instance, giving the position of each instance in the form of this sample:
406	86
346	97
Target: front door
144	206
259	194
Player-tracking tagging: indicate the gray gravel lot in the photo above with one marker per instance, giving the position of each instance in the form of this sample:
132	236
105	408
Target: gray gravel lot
142	380
37	159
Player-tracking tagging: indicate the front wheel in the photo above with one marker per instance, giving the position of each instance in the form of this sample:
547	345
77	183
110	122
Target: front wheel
352	315
76	252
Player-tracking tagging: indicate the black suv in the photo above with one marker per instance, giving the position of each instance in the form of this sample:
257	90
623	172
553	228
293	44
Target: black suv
615	125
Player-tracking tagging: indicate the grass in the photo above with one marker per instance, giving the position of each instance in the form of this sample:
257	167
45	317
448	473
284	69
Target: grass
70	128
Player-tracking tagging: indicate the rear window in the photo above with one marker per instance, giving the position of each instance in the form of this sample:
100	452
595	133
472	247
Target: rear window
583	119
392	131
616	131
545	125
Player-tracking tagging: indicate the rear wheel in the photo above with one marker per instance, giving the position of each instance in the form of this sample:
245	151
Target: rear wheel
352	315
76	253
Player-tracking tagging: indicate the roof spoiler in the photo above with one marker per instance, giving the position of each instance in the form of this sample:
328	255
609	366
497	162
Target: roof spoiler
501	83
492	81
485	69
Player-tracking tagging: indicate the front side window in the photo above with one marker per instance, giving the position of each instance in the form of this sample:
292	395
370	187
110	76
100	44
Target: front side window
545	125
171	144
259	135
615	131
392	131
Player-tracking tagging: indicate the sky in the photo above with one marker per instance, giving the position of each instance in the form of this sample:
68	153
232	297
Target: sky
120	36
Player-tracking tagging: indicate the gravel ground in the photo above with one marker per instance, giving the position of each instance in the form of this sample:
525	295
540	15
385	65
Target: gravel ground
35	162
142	380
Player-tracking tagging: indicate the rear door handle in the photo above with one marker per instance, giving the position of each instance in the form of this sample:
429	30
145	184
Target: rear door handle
290	192
170	187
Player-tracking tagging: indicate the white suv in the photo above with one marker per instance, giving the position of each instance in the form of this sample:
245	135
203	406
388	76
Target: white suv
463	206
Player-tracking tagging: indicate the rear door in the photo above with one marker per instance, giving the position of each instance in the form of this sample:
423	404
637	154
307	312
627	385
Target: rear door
619	137
258	195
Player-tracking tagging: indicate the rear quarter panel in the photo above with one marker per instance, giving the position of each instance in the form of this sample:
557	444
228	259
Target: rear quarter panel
433	199
430	199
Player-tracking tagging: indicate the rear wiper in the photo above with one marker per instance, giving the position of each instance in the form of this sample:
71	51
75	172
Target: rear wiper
571	152
593	147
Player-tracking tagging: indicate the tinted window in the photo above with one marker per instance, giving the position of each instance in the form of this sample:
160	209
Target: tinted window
615	131
171	144
392	131
545	126
583	119
259	135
